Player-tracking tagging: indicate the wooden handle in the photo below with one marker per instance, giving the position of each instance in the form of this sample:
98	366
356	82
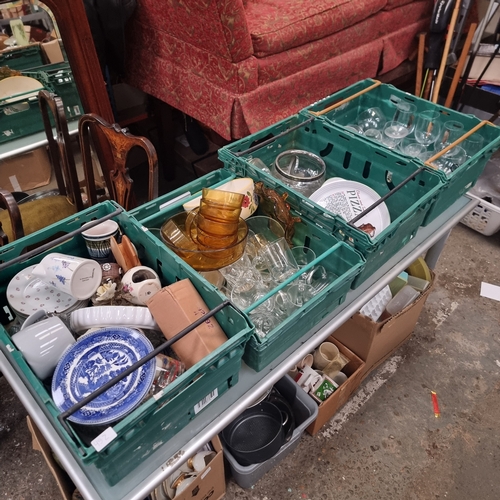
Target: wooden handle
458	141
347	99
420	63
449	36
460	65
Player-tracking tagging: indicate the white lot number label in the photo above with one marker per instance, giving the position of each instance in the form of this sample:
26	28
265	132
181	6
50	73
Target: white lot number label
103	439
206	401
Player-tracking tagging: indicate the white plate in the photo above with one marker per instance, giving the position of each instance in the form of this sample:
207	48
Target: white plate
100	316
348	199
27	294
12	86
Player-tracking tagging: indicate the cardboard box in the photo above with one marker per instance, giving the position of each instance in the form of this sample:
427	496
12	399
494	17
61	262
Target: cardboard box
210	483
354	370
53	52
177	306
64	482
26	171
374	341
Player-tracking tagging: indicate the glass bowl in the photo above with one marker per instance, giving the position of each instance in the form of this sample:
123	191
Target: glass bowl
185	244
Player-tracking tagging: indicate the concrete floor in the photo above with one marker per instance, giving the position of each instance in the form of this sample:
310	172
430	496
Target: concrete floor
385	443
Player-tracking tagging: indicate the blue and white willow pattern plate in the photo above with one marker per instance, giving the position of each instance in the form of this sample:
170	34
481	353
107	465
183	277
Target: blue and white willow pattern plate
92	361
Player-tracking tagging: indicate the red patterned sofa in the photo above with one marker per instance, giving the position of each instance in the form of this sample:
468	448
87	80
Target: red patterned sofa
240	65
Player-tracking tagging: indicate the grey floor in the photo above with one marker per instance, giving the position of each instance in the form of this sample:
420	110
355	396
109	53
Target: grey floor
385	443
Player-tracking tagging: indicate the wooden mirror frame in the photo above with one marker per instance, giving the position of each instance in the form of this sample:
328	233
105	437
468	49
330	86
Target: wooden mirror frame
75	32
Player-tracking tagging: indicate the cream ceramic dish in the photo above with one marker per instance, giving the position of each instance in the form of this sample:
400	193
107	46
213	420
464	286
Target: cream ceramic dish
244	186
13	86
103	316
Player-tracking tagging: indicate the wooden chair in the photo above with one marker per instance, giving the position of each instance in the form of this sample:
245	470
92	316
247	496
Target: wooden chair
60	151
18	220
93	129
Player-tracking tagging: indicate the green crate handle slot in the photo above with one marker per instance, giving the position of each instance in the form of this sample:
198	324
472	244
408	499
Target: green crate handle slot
87	399
61	239
347	99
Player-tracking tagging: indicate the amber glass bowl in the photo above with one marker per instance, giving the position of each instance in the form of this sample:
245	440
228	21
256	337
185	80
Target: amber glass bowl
186	245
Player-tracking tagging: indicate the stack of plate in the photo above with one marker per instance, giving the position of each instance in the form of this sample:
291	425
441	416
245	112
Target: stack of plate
27	294
95	359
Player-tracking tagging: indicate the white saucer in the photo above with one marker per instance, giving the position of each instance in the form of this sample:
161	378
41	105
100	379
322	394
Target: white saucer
348	199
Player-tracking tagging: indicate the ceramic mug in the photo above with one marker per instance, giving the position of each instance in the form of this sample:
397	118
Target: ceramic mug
76	276
328	359
98	239
42	341
140	283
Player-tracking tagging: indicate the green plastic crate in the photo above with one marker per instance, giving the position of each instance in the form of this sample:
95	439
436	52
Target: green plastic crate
337	257
386	97
156	420
21	58
59	79
348	157
22	117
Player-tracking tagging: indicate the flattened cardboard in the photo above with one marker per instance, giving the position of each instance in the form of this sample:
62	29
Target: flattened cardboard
174	308
210	483
374	341
354	370
26	171
64	482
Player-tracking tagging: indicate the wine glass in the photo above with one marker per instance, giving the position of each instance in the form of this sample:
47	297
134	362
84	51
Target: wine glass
451	131
427	127
394	133
405	114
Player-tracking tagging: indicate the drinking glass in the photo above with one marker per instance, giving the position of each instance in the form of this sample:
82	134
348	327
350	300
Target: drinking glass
280	260
372	118
473	144
451	131
451	160
411	147
374	134
393	134
405	115
427	127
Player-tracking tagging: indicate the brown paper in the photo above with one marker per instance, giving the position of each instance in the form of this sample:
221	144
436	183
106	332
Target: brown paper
177	306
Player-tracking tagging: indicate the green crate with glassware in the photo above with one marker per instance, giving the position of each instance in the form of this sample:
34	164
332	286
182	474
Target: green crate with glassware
285	297
455	144
358	176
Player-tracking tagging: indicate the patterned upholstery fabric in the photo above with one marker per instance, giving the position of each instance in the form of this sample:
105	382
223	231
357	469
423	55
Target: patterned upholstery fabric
204	56
392	4
278	25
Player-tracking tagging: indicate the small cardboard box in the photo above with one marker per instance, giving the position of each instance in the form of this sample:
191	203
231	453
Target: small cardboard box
53	52
26	171
64	482
354	370
177	306
374	341
211	482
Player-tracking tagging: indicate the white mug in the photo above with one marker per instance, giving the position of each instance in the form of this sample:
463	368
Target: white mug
73	275
43	342
140	283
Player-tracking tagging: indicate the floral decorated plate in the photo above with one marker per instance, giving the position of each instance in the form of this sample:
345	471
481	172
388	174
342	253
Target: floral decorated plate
93	360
